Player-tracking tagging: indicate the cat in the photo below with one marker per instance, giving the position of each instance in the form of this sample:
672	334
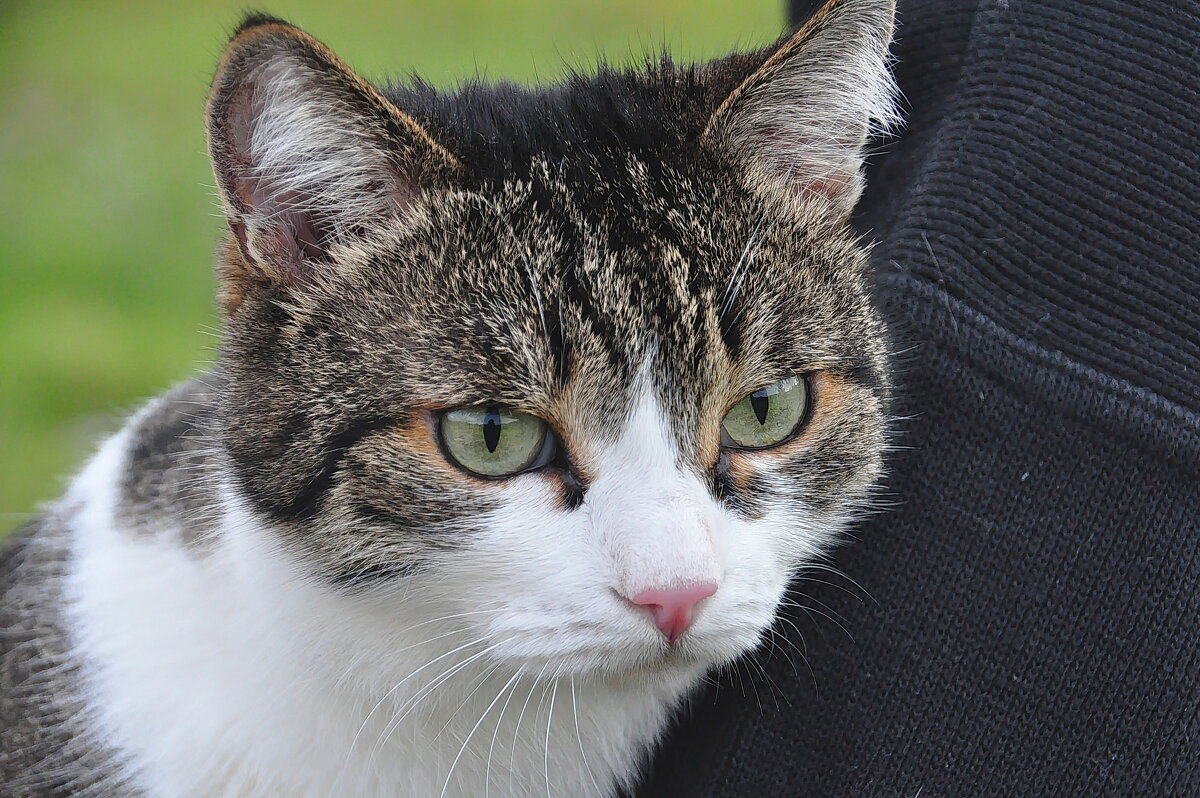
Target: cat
528	405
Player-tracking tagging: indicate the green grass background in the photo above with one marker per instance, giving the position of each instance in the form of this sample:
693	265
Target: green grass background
108	217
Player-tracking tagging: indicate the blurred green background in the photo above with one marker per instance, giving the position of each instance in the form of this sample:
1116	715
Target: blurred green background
108	217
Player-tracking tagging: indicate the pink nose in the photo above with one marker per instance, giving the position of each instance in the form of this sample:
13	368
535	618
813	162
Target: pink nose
673	609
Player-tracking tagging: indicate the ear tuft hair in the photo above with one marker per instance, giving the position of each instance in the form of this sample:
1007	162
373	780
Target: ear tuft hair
255	18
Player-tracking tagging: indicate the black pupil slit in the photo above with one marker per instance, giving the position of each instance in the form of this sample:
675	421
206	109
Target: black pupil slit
761	403
491	430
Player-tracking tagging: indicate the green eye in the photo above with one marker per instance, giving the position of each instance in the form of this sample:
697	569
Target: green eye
492	441
768	416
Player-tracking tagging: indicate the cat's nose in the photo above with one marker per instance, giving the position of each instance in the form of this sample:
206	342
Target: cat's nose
674	608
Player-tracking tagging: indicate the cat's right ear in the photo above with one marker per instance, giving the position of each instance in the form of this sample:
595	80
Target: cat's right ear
307	154
800	121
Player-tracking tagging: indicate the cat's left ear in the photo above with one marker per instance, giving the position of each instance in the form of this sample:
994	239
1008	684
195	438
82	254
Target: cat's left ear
800	122
307	154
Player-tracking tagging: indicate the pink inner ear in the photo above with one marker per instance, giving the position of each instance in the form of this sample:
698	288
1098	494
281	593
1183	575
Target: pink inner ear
278	231
809	167
831	188
287	233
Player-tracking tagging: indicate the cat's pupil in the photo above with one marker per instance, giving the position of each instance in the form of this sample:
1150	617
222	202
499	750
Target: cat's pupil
491	429
761	402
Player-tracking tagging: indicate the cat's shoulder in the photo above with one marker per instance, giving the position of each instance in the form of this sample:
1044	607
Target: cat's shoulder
157	476
46	749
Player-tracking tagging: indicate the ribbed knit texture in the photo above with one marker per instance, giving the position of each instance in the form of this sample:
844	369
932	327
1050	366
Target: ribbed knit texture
1033	626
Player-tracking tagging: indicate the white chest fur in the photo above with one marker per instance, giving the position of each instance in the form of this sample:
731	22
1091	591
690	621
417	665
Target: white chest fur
225	673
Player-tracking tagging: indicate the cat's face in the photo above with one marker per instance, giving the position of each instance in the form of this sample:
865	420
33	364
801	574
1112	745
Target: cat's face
595	398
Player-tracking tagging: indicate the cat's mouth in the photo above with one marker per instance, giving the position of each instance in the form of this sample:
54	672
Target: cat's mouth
637	663
667	668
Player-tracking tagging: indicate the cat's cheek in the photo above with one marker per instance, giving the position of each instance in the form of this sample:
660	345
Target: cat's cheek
540	588
757	558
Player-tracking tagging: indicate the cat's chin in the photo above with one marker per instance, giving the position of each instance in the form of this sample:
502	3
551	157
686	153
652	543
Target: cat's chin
665	667
671	674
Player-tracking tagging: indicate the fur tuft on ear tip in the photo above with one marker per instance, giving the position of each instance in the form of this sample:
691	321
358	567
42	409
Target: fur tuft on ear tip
255	19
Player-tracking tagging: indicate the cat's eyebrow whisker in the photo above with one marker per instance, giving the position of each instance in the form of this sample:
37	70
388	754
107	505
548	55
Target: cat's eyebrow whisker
735	276
563	366
758	238
529	271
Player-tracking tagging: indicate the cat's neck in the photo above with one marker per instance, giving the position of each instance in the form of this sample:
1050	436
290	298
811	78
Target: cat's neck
220	668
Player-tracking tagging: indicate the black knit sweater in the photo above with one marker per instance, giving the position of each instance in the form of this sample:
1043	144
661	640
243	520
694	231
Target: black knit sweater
1033	620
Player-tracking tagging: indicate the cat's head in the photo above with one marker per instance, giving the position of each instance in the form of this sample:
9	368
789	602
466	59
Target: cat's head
591	369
